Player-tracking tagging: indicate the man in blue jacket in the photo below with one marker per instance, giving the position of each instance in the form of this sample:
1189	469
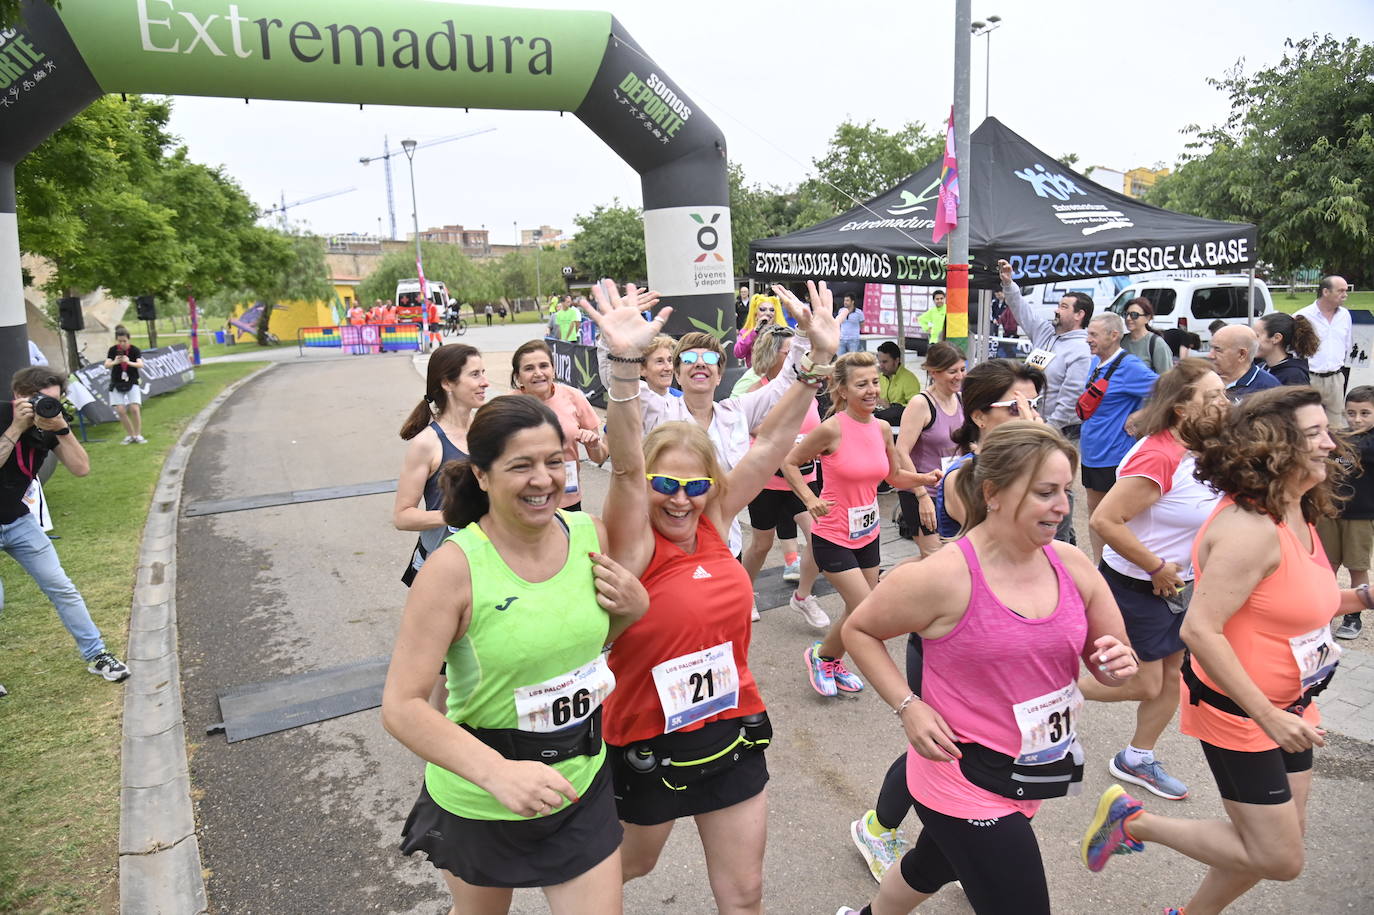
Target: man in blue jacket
1105	440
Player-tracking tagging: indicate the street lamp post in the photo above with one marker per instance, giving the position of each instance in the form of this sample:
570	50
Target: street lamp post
985	29
538	237
409	147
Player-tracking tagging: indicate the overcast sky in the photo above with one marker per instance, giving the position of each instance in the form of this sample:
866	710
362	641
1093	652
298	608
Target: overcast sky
1068	75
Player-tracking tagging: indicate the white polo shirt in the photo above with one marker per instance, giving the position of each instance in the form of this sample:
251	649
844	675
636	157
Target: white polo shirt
1337	336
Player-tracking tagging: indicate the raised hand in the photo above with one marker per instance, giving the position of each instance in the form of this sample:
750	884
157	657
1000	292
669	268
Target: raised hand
618	317
1004	272
816	320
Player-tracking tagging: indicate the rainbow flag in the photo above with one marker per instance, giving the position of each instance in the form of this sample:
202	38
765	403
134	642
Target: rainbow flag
947	209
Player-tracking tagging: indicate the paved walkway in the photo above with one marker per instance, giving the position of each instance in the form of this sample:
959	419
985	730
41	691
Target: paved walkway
308	820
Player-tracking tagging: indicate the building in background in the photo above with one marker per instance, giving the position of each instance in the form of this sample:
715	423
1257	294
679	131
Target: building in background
1140	180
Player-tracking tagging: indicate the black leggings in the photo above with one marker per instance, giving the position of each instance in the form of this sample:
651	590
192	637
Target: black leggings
893	798
998	861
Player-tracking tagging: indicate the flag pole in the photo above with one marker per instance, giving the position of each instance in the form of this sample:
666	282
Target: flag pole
956	314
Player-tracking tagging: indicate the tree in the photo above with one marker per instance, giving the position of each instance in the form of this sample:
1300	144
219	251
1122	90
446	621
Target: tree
9	10
610	243
523	274
83	202
759	212
864	160
1294	157
446	263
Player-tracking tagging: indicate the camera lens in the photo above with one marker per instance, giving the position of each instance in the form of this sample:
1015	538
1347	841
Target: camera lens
45	406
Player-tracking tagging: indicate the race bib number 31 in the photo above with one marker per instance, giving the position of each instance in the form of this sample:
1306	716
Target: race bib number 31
565	700
696	686
1048	725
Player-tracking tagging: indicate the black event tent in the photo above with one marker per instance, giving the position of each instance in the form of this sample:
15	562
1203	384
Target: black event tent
1050	222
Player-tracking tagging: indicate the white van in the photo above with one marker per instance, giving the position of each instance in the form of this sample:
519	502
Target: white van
1193	304
410	289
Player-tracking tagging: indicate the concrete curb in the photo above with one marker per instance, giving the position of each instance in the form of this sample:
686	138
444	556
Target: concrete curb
159	857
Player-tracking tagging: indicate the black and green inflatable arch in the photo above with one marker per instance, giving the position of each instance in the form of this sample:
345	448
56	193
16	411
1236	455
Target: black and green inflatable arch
398	52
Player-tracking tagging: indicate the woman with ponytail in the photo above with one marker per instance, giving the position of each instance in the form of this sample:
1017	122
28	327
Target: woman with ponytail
1006	616
437	429
856	453
994	392
519	604
1286	342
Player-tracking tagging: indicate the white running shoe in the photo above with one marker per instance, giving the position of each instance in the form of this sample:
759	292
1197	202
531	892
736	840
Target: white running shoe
811	610
754	613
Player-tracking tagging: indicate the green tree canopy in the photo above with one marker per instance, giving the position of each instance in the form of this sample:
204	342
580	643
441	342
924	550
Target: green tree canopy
610	243
523	274
9	10
464	279
863	160
1295	157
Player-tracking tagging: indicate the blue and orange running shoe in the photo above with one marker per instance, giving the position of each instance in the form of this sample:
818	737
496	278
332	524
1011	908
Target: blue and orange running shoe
1107	835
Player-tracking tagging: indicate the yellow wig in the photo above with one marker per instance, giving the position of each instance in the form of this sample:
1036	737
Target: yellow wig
779	316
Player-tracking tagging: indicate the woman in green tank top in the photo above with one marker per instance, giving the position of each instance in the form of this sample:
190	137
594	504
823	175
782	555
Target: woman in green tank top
519	603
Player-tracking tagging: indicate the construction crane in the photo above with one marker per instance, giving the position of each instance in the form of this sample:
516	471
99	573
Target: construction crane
281	208
385	158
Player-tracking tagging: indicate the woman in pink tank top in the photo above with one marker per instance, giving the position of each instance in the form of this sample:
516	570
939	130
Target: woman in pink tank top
1259	638
856	453
1005	619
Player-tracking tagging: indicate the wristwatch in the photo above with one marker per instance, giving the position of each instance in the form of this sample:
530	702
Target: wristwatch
65	430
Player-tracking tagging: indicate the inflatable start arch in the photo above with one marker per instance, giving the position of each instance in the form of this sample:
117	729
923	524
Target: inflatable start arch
398	52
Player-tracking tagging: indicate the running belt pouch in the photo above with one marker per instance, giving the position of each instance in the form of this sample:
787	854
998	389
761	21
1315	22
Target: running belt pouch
548	747
1178	602
417	559
1091	399
1000	773
685	760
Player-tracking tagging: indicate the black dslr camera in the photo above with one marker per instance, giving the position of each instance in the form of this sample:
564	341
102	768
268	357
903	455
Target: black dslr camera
45	406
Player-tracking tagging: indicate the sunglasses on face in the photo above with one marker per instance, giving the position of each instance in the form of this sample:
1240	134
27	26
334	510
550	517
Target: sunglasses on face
1135	315
666	485
709	357
1015	407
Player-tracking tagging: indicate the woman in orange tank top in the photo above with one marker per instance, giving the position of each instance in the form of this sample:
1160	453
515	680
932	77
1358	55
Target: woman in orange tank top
1260	643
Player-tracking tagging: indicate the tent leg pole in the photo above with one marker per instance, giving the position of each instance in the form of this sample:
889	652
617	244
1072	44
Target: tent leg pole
1250	300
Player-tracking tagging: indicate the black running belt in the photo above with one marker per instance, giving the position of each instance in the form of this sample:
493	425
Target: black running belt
279	705
292	497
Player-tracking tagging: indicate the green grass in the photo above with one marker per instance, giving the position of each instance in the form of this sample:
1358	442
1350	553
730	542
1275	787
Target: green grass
1360	301
60	727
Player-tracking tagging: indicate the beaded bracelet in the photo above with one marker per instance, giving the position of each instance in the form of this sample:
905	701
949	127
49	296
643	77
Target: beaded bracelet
637	360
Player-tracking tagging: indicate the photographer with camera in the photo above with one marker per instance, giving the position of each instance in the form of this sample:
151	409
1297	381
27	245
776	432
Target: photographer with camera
34	425
124	360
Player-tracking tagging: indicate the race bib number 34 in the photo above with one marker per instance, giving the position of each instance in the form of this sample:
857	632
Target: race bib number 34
696	686
565	700
1048	725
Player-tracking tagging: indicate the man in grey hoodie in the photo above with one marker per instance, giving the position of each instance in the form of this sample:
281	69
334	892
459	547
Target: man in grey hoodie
1059	349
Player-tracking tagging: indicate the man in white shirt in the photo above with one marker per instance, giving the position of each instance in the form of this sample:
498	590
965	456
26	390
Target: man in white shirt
1332	323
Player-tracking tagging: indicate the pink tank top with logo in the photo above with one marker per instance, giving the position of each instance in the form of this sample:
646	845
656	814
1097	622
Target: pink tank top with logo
850	482
1004	681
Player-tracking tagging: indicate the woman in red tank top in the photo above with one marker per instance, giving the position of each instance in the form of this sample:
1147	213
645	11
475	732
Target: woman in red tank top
1260	643
857	453
686	726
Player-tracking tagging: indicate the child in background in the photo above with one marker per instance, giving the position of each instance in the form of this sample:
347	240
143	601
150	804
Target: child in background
1349	539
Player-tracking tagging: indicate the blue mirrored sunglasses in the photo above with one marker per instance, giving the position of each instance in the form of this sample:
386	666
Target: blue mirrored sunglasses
709	357
694	486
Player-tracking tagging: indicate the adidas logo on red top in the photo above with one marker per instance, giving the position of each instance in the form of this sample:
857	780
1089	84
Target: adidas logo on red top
701	573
